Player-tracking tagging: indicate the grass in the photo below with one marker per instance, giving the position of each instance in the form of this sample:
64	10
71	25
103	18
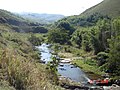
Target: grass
88	64
19	66
105	8
89	67
5	86
23	74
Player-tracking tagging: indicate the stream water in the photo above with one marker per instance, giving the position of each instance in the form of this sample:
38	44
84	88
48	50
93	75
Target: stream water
65	69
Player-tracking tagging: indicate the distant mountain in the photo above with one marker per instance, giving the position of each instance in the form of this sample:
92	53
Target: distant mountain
42	18
106	7
12	22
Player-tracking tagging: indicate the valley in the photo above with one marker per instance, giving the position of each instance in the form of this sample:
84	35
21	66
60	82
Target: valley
57	52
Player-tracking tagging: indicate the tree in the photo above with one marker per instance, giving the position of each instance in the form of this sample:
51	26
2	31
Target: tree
86	44
58	36
95	41
81	39
114	54
76	39
100	35
64	25
35	40
102	58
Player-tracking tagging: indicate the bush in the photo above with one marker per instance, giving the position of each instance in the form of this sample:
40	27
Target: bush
102	58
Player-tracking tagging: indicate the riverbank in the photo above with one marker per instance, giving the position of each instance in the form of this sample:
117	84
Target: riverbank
92	71
70	84
88	65
70	75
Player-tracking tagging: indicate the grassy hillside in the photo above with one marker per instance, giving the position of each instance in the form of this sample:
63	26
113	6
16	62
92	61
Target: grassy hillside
19	64
6	16
20	67
107	7
12	22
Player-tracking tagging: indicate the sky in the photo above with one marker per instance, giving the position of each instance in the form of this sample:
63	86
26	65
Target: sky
64	7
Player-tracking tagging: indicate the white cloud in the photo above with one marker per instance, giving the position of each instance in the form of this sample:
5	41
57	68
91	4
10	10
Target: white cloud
66	7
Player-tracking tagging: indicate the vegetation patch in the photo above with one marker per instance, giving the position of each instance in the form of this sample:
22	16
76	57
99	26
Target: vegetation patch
89	67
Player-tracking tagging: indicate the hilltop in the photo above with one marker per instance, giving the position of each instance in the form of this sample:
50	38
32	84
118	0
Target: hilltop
106	7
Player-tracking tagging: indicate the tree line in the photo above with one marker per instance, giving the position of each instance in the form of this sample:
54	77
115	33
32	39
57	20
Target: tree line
98	33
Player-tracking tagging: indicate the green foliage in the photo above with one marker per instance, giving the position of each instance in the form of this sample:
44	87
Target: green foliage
52	66
116	27
103	38
81	39
102	58
100	34
64	25
83	21
114	54
60	33
35	40
76	38
58	36
89	66
39	29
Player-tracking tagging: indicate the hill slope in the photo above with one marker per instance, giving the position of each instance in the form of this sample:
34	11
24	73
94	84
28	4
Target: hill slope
12	22
10	18
107	7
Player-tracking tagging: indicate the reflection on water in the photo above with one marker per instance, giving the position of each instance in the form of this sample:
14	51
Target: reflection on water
64	69
72	72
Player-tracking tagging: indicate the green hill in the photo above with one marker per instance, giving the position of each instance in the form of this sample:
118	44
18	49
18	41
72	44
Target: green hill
8	17
12	22
106	7
20	67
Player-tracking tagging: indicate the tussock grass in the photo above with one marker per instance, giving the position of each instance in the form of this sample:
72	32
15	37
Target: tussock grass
19	66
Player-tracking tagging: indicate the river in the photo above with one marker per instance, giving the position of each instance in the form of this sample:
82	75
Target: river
65	69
